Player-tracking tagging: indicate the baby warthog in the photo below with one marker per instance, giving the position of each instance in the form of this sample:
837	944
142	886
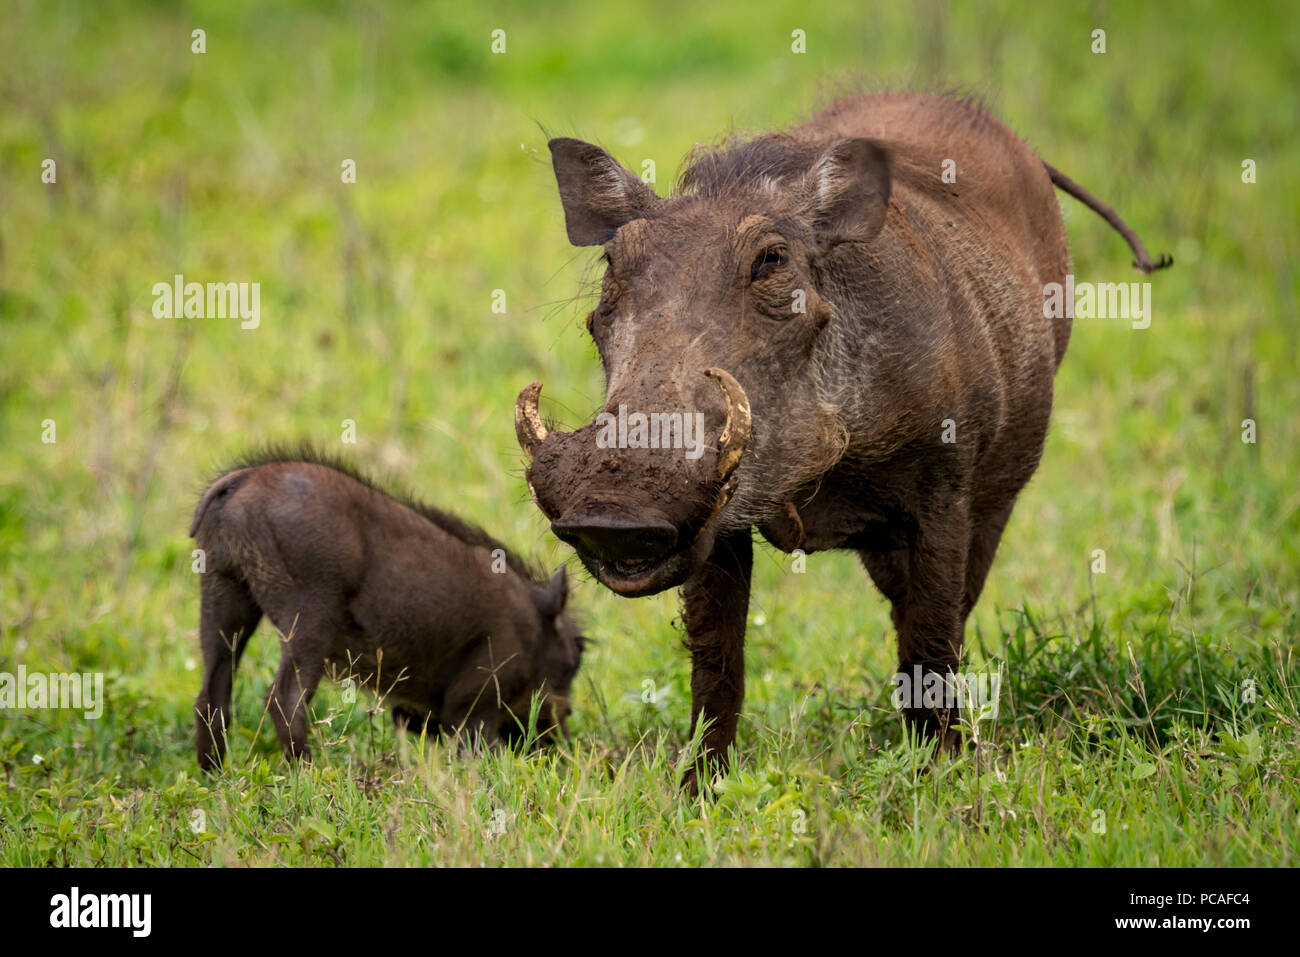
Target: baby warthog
431	613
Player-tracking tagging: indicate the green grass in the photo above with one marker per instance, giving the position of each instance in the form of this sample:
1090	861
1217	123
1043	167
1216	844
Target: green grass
1128	734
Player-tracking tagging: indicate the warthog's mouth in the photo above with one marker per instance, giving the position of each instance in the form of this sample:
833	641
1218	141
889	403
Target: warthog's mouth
634	579
634	571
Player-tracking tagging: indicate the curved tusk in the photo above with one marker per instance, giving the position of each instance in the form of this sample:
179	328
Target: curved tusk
528	422
735	434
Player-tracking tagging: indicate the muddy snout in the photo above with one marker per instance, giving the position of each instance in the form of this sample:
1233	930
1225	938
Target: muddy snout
631	515
632	500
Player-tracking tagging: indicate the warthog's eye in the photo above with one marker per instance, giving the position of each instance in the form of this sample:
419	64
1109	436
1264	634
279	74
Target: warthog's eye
609	293
769	259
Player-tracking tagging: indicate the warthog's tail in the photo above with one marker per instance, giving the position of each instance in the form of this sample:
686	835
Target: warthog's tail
1143	261
218	489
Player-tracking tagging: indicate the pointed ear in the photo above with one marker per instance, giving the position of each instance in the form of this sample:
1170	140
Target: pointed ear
849	191
597	193
552	599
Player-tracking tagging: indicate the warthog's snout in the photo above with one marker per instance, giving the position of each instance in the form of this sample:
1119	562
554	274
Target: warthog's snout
639	518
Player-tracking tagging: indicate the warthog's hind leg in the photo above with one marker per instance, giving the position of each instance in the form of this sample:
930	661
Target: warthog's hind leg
227	616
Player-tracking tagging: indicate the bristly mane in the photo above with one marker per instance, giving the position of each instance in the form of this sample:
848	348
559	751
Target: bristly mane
713	169
307	453
741	159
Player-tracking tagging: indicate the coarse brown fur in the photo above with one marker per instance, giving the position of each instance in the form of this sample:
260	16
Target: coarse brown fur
887	327
433	614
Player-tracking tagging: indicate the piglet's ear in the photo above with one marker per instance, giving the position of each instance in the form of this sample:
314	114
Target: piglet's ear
848	192
552	599
597	193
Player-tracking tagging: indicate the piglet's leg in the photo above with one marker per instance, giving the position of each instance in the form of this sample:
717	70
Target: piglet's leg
305	642
227	616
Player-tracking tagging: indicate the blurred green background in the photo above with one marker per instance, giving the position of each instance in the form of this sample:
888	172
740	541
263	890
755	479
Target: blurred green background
376	306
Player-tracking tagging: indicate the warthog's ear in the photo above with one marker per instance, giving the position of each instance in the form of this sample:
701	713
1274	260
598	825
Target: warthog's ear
597	193
849	191
552	599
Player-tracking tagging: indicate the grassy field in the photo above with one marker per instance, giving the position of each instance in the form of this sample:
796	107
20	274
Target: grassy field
1150	713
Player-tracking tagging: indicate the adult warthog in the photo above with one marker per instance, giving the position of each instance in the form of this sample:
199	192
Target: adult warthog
866	338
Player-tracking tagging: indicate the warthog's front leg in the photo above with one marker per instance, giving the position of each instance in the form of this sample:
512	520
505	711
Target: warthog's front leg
716	602
931	616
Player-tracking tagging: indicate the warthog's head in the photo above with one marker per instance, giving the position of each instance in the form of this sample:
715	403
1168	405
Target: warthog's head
556	658
709	326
